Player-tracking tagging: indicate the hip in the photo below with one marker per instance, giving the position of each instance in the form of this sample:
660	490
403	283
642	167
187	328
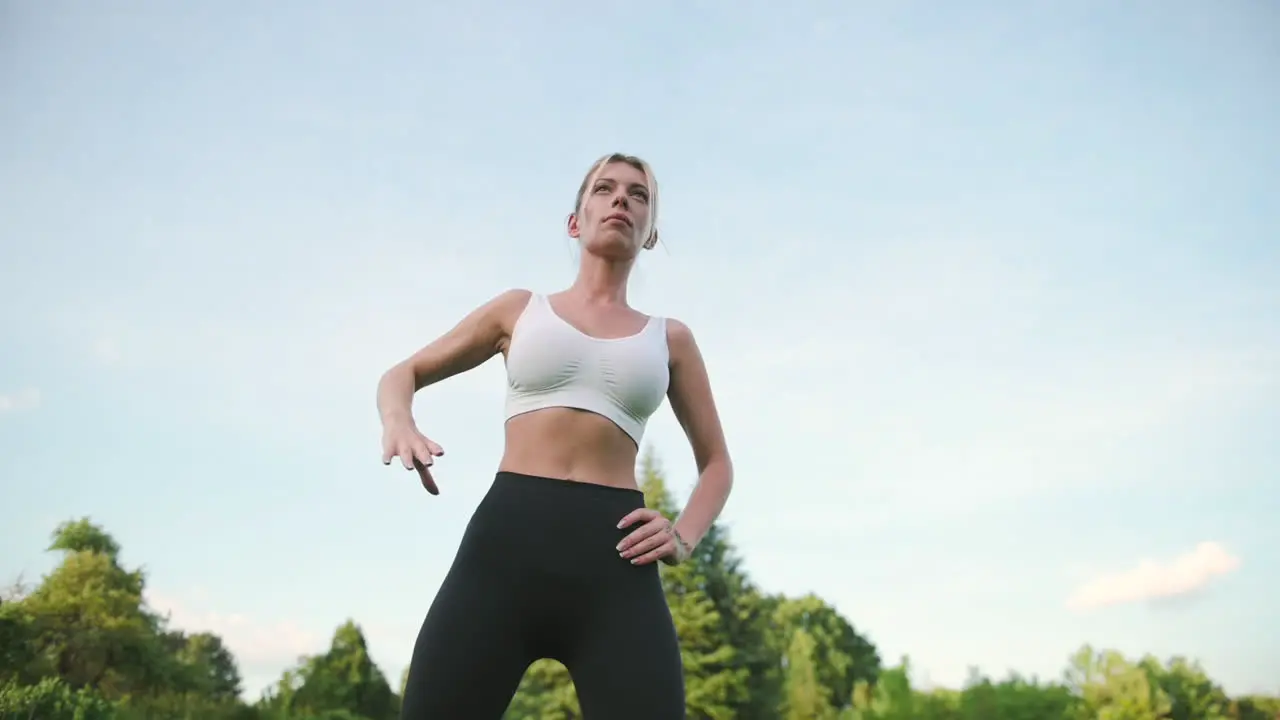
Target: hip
549	529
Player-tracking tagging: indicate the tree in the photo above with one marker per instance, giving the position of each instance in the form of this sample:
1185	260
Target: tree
806	698
1112	688
52	699
210	665
1192	695
842	657
18	646
344	678
84	637
88	621
76	536
81	645
891	697
745	618
1014	697
546	692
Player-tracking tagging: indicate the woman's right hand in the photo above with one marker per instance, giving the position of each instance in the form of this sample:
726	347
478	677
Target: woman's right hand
416	451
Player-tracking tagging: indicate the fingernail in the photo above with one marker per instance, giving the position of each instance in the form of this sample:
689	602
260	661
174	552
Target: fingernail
619	548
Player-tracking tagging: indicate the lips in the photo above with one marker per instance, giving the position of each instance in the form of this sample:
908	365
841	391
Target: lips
620	218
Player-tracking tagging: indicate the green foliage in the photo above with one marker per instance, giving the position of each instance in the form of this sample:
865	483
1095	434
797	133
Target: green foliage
18	645
545	693
1100	685
806	698
1113	688
82	645
52	698
841	656
209	668
340	684
174	705
345	678
1191	694
86	624
76	536
890	698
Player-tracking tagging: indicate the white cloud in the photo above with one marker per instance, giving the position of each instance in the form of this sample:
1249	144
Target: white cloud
1153	580
263	649
22	400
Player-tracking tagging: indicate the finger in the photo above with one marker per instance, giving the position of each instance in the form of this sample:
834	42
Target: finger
639	514
405	451
389	449
422	455
657	553
428	482
433	447
643	546
649	529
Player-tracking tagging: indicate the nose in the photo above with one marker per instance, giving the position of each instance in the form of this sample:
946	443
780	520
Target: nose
620	199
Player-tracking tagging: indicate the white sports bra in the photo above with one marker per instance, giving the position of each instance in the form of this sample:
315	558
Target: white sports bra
551	363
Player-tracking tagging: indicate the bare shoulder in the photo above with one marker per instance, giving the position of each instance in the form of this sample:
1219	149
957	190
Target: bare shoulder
511	299
507	305
681	343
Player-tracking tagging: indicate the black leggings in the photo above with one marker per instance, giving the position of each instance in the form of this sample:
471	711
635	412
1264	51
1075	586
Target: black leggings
538	576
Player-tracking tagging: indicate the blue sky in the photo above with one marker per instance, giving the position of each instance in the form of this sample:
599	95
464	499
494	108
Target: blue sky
988	292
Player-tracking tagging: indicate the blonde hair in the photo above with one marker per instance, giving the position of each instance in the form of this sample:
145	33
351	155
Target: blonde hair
651	235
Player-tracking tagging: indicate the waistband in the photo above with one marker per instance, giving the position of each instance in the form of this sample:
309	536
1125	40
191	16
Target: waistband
568	487
550	523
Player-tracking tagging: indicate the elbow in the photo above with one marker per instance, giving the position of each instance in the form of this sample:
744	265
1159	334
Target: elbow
398	376
718	472
395	390
386	380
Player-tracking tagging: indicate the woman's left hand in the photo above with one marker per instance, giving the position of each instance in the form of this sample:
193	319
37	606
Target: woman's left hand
656	539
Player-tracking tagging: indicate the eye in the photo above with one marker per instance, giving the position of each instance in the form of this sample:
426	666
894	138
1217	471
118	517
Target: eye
640	195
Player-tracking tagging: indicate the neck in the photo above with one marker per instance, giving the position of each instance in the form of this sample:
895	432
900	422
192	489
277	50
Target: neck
602	281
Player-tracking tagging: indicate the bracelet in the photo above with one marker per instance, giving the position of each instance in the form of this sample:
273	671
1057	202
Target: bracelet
685	550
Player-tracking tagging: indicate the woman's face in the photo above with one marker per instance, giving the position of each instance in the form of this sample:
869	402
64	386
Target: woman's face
613	220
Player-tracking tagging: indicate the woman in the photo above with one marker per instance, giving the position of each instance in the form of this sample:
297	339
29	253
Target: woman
558	560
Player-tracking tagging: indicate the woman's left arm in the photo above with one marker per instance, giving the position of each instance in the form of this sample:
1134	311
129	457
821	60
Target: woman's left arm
695	409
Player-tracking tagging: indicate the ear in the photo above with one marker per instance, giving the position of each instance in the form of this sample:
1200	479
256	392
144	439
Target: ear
572	226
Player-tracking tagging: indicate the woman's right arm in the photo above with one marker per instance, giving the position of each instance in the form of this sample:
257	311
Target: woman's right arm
483	333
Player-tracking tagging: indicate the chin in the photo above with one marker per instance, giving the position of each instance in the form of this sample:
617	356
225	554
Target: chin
611	247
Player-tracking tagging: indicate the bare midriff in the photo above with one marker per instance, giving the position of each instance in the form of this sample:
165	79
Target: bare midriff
570	444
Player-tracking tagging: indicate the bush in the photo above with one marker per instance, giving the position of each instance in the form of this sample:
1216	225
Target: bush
52	699
179	706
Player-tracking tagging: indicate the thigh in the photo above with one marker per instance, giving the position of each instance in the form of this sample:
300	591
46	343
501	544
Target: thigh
470	653
625	661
